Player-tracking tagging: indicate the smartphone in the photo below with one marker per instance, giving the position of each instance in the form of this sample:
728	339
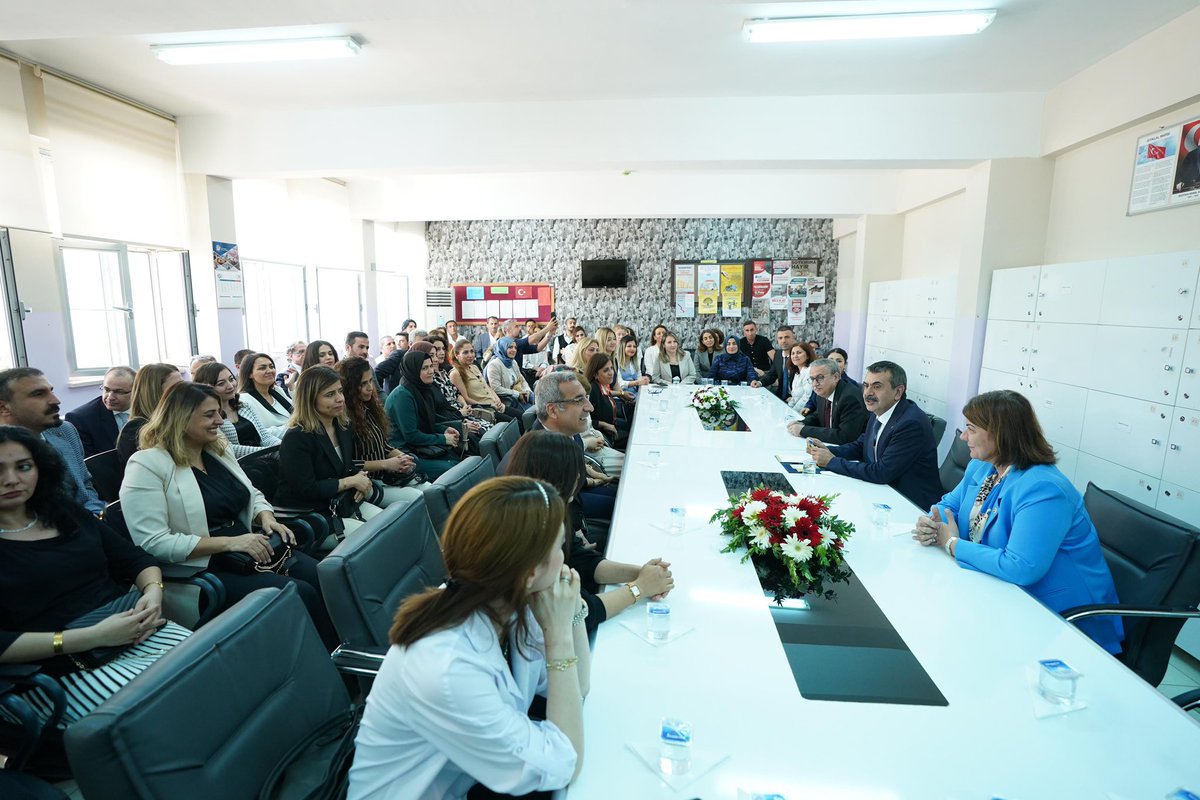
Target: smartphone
554	316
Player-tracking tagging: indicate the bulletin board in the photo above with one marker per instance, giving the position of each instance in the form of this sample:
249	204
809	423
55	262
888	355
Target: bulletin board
475	302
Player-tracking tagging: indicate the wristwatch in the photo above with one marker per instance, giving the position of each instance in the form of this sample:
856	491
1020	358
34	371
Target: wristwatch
634	590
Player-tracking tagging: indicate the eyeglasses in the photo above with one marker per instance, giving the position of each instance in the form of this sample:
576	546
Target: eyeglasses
572	400
117	392
820	378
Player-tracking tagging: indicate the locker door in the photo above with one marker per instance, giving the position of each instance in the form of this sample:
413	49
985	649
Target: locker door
1182	504
1125	431
1059	408
1070	292
943	293
1182	464
936	374
936	337
1064	353
1006	346
1188	393
875	299
1014	294
1108	475
1146	362
1152	291
1068	459
990	380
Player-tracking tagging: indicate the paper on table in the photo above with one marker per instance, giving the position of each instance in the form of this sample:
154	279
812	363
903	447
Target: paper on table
703	761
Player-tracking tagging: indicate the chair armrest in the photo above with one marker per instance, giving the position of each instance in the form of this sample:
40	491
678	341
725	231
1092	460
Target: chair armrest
1121	610
179	572
14	672
1188	700
353	661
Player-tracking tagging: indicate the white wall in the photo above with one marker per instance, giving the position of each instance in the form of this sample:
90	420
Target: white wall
1087	217
932	238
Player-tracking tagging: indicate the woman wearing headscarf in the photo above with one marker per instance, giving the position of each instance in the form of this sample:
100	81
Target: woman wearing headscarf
505	377
415	429
733	365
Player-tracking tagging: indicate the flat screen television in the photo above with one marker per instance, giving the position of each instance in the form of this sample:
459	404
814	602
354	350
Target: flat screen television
611	273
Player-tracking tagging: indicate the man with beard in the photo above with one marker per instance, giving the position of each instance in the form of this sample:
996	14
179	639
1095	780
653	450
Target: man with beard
27	400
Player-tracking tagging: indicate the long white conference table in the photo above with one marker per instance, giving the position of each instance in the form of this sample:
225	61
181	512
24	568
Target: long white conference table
977	638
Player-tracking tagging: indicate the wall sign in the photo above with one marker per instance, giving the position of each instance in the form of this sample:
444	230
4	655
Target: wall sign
1166	169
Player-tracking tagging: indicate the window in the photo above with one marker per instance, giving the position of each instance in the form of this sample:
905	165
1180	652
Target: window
12	339
276	305
126	306
391	292
339	304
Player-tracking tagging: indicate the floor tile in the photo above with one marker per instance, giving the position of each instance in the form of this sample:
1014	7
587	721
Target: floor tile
1171	691
1187	665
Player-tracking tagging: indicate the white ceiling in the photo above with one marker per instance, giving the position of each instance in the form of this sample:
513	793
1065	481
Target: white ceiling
454	51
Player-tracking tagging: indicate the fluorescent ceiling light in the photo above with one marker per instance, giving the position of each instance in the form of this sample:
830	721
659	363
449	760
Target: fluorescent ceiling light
247	52
867	26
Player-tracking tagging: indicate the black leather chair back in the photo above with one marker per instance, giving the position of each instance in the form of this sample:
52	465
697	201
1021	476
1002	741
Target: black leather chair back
366	577
1155	561
939	429
106	472
262	468
213	716
442	495
955	465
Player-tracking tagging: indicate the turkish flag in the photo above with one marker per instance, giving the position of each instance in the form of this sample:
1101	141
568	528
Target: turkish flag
1155	151
524	291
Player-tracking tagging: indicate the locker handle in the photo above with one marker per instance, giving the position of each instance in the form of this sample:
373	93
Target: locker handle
1173	446
1155	441
1168	368
1183	291
1188	370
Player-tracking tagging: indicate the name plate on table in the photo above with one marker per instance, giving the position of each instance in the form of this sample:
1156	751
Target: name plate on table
843	649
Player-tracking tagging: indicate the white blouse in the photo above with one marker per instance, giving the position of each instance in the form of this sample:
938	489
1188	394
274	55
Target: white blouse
447	713
801	388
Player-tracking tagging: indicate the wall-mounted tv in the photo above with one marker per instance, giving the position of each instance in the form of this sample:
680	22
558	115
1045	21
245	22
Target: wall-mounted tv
611	273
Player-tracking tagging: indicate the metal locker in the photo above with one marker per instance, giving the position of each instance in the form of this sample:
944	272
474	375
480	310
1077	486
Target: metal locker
1007	345
1059	408
1064	353
1068	459
1126	431
1014	294
1108	475
1188	393
1150	291
1070	292
1148	361
1182	463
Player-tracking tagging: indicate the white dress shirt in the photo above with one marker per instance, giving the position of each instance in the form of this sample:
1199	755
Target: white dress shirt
883	421
447	713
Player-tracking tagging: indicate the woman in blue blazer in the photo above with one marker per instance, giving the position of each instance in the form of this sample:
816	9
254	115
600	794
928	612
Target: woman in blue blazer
1014	515
733	365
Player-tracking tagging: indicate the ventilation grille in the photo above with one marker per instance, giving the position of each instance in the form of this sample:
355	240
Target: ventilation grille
439	298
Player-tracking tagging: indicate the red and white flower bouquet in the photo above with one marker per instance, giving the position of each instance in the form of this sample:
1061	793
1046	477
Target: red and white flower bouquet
794	542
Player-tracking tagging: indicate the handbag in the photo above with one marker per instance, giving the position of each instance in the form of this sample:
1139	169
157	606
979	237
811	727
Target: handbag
245	564
99	656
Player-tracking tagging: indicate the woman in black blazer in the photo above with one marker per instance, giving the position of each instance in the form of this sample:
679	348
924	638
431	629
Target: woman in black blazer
316	458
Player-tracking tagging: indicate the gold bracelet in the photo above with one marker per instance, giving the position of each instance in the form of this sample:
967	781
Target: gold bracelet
159	584
58	643
562	665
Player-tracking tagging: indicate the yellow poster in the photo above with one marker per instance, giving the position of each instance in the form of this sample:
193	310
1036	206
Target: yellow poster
731	289
708	279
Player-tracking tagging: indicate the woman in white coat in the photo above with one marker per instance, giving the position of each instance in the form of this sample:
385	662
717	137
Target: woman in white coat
673	362
187	501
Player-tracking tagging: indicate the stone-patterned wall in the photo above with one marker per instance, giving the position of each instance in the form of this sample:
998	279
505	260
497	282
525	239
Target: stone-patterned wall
549	251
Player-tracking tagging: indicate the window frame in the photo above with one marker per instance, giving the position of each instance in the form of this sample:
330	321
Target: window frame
17	310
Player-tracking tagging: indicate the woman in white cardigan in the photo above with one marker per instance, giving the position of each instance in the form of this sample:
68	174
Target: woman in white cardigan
241	426
186	501
673	362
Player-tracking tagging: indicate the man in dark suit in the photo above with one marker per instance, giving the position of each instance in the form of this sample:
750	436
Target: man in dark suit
100	420
840	415
777	376
897	448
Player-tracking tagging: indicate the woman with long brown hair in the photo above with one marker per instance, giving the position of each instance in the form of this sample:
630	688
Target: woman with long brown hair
148	387
256	386
241	426
469	381
449	708
369	424
799	357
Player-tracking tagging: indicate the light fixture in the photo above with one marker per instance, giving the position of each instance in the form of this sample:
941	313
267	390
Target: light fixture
247	52
867	26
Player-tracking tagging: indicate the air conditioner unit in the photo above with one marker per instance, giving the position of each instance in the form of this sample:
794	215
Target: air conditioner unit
439	307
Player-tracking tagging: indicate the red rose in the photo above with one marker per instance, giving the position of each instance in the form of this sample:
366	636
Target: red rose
761	495
814	539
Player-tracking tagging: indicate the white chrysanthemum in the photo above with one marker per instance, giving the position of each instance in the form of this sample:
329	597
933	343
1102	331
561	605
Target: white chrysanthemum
760	537
827	535
752	509
796	548
793	513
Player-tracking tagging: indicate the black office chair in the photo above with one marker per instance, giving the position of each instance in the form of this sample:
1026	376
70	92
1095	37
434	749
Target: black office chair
215	715
23	739
444	493
262	468
105	469
490	442
212	591
528	418
955	465
1155	564
939	429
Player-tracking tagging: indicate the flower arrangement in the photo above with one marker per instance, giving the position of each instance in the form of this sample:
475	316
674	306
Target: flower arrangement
794	542
713	404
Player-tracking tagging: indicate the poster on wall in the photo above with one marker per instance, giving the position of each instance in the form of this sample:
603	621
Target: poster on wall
805	267
798	288
1166	168
685	290
781	273
228	270
816	290
797	311
708	286
760	312
760	285
732	283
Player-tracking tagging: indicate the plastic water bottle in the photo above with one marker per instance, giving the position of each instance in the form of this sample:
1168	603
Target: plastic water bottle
674	746
675	381
658	620
678	519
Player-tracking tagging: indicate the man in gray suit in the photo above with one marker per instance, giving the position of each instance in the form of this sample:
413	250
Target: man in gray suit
27	400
